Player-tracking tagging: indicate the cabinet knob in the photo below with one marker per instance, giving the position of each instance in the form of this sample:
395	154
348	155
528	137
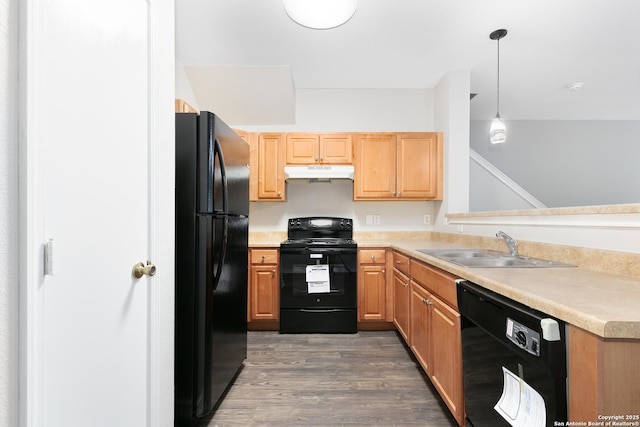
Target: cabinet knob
273	271
382	271
373	257
398	262
263	257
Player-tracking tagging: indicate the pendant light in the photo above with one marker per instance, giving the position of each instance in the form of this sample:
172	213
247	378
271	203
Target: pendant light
498	131
320	14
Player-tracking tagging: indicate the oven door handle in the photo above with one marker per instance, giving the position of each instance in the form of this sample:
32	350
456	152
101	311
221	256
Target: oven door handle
329	310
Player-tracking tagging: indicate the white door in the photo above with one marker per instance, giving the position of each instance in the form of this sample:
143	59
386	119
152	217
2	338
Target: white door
94	122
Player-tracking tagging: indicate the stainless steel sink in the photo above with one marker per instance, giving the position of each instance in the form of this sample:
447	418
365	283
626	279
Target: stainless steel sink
484	258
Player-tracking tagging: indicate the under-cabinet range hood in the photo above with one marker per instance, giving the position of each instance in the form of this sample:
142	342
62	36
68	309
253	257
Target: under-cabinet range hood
318	172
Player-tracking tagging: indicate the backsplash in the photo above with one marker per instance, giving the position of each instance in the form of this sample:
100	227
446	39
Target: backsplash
336	199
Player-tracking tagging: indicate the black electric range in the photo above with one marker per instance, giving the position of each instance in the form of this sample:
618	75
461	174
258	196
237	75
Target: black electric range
318	276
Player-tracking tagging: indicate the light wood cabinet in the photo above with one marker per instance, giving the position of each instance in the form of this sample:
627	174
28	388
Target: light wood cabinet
372	285
401	304
182	106
446	355
419	166
603	376
398	166
268	156
435	337
420	321
375	166
264	292
314	148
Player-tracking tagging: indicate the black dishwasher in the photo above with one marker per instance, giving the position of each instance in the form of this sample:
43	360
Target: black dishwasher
514	361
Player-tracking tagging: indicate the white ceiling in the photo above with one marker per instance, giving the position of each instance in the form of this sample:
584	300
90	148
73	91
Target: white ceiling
414	43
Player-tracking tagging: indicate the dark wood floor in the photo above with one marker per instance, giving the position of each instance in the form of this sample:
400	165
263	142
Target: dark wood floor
367	378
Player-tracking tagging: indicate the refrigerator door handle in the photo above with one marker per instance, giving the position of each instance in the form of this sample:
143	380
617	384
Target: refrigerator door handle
217	152
223	252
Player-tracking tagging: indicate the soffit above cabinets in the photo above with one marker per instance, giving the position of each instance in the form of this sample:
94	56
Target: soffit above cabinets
245	95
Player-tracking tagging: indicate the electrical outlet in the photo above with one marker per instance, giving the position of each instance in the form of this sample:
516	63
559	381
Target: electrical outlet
427	219
376	219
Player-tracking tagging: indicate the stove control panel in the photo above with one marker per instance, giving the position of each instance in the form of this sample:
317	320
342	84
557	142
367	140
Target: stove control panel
326	227
320	223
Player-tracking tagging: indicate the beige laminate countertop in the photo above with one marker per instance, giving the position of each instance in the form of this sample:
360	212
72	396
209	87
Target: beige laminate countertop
604	304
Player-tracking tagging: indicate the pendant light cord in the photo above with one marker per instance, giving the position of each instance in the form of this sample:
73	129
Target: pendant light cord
498	83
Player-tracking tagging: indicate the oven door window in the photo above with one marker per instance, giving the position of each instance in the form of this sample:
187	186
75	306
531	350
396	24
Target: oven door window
295	290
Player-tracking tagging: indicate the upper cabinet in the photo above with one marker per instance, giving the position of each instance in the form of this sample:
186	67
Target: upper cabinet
405	166
183	107
388	166
267	167
314	148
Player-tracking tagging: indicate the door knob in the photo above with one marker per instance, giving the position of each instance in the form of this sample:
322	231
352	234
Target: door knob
140	269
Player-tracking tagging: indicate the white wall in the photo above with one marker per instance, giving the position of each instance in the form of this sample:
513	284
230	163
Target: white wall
452	117
8	213
567	162
349	110
183	87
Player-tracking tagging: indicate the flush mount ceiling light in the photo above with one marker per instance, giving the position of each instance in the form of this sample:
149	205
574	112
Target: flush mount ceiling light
498	131
320	14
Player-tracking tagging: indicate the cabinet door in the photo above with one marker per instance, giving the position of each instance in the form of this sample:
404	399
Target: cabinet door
419	325
419	166
401	303
371	293
270	167
375	166
446	350
336	149
263	293
302	149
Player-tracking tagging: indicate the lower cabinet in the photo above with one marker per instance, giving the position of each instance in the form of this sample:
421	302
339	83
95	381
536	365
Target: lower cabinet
420	321
263	305
446	356
372	285
432	328
603	376
401	303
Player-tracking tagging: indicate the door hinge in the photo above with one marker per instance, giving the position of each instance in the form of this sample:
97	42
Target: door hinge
48	258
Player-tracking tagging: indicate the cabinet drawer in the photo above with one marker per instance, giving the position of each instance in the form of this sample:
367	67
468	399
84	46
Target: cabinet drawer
264	256
401	262
437	281
371	256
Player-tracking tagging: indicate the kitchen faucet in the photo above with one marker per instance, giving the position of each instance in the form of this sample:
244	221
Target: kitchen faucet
513	246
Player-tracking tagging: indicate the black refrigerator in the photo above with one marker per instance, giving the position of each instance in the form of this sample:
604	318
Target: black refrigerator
212	223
